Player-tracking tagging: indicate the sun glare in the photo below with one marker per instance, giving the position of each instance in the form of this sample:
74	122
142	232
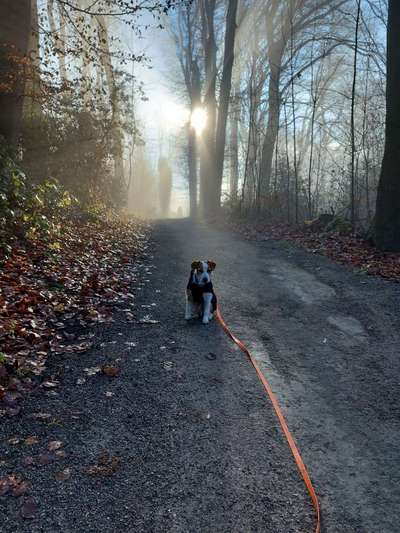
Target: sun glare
198	120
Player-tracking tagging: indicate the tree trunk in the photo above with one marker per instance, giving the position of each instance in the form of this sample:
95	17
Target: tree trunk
192	164
117	136
224	98
353	141
234	148
207	152
195	97
272	126
387	219
15	27
31	106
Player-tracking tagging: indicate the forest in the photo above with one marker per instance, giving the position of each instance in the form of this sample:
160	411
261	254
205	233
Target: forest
295	97
285	105
138	137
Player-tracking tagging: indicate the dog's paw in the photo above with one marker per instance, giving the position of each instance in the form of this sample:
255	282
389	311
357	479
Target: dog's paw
205	320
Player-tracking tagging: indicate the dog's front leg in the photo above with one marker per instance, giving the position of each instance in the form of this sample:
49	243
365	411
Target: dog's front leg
207	299
190	311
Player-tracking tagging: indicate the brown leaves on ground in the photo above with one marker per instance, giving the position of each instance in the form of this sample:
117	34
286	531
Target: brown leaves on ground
63	475
29	441
46	458
110	371
351	250
13	485
29	508
54	445
106	465
46	291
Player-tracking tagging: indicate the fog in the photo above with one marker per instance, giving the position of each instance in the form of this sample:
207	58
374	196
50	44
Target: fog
272	109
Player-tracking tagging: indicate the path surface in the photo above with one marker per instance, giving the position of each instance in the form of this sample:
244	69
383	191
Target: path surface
197	445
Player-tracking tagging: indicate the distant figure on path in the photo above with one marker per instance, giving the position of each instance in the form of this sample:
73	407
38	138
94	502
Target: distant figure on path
165	185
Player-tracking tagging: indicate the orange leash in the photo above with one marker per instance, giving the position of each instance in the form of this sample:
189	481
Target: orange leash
293	448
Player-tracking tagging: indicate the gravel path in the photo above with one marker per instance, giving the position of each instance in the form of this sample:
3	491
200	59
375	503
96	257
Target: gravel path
184	440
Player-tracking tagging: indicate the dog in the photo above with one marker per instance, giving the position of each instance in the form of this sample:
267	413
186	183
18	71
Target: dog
201	301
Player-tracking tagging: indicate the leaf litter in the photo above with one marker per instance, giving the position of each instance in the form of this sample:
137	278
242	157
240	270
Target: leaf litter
44	292
106	465
346	249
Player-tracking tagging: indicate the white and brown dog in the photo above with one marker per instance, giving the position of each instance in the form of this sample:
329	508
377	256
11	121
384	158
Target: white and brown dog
201	301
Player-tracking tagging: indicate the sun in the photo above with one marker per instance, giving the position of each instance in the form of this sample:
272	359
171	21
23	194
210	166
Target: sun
198	119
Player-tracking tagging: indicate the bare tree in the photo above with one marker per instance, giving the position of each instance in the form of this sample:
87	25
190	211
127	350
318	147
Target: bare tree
185	34
224	98
387	225
353	96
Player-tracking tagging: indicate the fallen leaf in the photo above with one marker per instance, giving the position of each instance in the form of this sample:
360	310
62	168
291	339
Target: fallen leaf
28	461
92	371
29	509
41	416
4	486
60	454
106	466
44	459
20	488
50	384
14	441
14	485
31	440
111	371
148	320
13	411
63	475
54	445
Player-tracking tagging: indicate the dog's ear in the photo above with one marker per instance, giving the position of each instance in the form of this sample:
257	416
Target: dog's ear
211	265
196	265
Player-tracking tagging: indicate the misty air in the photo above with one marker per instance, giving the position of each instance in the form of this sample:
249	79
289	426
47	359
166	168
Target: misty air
199	266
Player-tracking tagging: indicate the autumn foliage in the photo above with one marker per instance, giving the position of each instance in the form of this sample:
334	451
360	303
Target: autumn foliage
352	250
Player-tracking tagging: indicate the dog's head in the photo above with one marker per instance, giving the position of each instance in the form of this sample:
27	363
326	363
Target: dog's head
202	270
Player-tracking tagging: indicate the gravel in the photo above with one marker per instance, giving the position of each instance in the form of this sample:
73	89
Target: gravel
182	439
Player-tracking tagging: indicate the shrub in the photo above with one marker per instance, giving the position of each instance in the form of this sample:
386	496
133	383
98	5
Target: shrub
27	209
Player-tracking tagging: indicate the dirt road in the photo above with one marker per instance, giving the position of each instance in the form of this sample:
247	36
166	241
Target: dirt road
197	445
329	341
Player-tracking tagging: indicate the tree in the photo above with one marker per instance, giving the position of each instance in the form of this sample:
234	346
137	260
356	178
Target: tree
286	24
224	97
15	27
353	96
387	221
207	148
184	32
